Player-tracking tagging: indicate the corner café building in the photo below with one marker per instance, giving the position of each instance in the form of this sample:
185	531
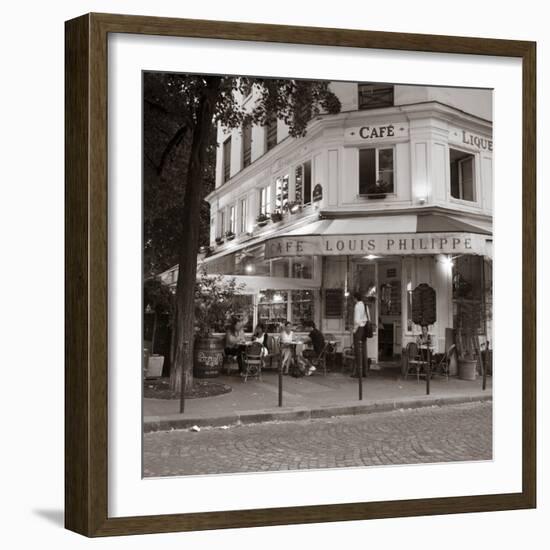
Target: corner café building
432	149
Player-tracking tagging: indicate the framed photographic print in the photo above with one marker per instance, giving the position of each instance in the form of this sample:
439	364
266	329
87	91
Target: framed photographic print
299	275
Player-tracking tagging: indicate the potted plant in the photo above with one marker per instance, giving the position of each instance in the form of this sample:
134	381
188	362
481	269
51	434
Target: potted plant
276	216
262	220
229	235
214	297
467	331
378	190
219	240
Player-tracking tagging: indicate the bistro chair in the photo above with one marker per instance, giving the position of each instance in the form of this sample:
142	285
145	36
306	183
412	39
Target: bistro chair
320	361
444	364
415	360
273	356
253	361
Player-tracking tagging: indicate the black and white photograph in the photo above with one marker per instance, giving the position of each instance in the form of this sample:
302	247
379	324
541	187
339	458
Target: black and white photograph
317	274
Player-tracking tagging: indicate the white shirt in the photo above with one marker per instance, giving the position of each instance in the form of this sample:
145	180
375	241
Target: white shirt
287	337
360	315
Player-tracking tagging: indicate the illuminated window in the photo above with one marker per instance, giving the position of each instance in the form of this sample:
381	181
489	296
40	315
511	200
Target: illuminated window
302	183
281	193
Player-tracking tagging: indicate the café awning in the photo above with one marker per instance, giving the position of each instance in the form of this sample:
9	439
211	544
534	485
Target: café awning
382	235
400	234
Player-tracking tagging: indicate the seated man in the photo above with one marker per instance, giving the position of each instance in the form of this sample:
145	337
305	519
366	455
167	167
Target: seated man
317	341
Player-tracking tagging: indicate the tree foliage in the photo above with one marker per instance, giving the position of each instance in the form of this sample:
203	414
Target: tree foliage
214	301
181	113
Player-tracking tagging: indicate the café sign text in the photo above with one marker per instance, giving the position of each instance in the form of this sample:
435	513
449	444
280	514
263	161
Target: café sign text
400	244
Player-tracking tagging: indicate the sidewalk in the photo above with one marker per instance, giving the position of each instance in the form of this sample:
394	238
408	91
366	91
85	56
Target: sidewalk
314	396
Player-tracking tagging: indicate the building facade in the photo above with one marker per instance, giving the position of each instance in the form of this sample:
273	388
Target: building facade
392	192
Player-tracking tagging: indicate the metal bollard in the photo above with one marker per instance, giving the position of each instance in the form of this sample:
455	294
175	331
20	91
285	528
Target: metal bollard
428	370
483	371
182	392
281	385
360	373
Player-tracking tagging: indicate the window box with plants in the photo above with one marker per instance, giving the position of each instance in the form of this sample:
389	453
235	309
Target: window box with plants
276	216
379	190
262	220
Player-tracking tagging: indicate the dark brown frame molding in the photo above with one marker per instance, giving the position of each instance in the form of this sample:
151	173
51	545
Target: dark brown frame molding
86	274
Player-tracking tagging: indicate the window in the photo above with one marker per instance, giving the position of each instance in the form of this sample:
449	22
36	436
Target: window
281	193
271	134
302	183
302	308
244	214
472	301
280	267
462	175
376	171
232	220
226	159
221	229
374	96
247	145
302	267
264	200
273	308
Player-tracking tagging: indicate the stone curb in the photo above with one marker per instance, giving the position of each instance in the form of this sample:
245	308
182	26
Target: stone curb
286	414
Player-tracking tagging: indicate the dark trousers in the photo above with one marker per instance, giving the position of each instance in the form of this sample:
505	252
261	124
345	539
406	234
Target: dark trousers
238	353
360	351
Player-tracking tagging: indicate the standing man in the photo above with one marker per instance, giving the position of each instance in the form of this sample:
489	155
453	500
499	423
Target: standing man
360	318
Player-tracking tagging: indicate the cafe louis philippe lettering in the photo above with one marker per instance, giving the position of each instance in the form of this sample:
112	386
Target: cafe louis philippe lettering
403	244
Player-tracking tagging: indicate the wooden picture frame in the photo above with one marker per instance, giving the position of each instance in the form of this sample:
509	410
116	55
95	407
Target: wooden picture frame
86	419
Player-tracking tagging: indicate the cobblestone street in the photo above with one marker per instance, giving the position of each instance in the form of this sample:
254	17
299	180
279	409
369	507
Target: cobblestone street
434	434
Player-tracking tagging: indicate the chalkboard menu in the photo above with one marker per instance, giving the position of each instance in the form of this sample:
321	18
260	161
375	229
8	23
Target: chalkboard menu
334	303
423	305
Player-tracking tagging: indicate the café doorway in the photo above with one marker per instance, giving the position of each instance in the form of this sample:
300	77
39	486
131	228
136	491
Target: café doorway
380	283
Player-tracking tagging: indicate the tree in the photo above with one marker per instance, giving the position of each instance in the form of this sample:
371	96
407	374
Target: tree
166	146
206	101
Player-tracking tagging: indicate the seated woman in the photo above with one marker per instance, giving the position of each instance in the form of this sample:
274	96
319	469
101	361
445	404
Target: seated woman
287	338
234	342
424	339
424	342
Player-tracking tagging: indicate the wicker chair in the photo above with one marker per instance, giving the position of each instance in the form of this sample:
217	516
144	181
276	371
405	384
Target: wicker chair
253	361
415	360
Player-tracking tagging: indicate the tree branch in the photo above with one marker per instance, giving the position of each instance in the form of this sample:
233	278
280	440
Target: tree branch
175	140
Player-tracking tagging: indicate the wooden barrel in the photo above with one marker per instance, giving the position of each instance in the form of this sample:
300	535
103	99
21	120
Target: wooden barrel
208	357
